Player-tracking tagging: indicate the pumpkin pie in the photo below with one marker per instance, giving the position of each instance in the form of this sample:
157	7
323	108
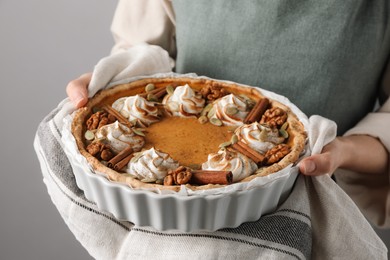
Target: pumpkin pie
202	133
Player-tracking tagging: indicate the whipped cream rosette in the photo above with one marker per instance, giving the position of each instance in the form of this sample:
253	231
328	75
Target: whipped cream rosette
137	108
228	110
259	137
119	137
151	165
230	160
184	102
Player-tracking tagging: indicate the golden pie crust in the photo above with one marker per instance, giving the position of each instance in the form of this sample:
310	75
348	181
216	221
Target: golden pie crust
296	132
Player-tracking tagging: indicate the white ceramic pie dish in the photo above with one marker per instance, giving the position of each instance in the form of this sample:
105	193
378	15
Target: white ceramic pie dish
208	211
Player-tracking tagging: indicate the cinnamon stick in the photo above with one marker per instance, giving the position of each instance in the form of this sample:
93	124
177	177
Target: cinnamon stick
117	115
203	177
122	163
255	154
157	92
119	157
257	111
161	93
248	151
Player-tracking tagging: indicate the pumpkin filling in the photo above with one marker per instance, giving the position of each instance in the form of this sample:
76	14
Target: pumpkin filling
185	139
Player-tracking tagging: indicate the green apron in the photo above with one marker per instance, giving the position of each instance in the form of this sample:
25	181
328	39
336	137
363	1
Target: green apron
327	57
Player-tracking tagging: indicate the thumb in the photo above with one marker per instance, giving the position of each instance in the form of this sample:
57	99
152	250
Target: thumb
318	164
77	90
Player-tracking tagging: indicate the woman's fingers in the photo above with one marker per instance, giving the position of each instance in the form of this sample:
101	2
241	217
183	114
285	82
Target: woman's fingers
358	153
77	90
317	164
326	162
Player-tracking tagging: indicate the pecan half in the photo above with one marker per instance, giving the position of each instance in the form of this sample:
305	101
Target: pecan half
100	150
168	180
213	92
99	119
276	153
274	117
181	175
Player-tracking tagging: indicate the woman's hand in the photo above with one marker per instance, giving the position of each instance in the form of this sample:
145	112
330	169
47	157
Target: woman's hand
359	153
77	90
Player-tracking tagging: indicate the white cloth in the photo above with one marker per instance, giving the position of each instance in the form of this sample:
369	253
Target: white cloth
317	221
139	60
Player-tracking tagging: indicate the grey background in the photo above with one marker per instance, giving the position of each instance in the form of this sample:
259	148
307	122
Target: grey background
43	45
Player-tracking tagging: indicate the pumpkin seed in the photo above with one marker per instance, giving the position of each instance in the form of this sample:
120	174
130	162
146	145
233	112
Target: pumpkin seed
250	103
89	135
283	133
149	87
137	131
263	135
284	126
170	90
152	97
203	119
211	112
206	109
234	139
224	145
216	121
231	110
